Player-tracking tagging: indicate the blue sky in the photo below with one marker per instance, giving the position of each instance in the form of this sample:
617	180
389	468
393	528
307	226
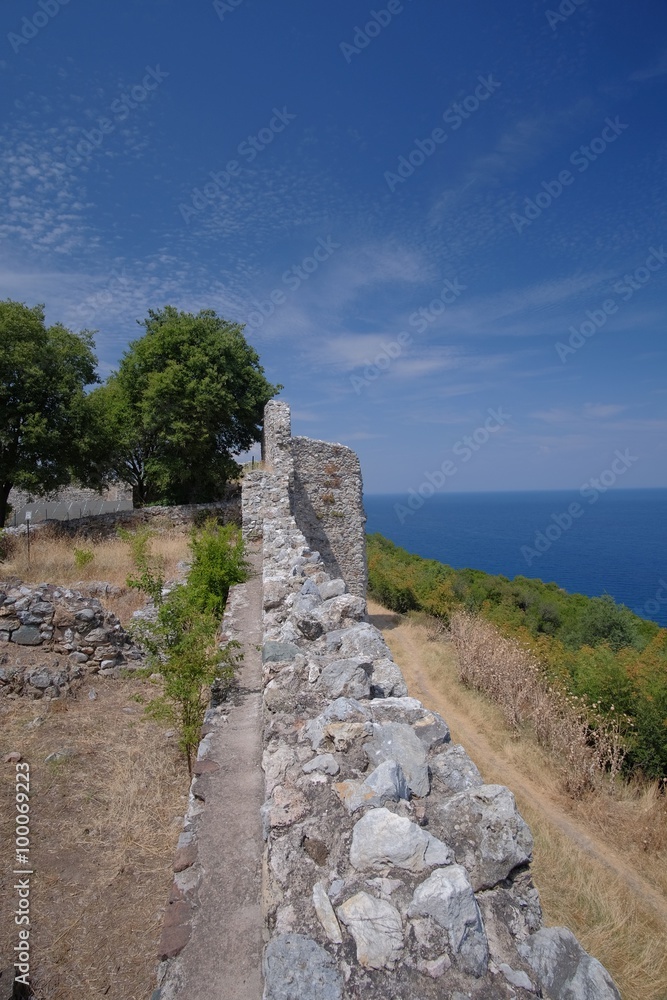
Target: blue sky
440	221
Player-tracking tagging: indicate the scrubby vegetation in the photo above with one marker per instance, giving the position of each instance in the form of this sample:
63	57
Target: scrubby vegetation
182	640
592	649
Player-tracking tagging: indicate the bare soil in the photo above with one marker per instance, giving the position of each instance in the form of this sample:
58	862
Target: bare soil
105	820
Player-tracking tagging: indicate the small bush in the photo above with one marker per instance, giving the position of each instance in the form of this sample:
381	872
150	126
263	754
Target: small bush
82	557
150	579
218	562
183	639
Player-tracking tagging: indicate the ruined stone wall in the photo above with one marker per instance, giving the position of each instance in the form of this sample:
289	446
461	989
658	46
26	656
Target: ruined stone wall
322	484
390	868
327	504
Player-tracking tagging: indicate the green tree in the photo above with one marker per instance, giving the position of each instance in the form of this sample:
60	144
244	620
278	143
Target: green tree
47	436
188	395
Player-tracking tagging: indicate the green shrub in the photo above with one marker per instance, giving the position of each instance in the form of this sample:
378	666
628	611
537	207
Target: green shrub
183	639
150	578
218	562
82	557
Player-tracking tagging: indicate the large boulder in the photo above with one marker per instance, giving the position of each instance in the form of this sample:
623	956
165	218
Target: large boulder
563	969
447	897
396	741
486	832
381	839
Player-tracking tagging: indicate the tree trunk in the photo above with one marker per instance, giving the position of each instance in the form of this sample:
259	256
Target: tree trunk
4	500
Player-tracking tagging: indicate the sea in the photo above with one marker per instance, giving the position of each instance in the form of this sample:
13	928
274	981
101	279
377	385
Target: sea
614	544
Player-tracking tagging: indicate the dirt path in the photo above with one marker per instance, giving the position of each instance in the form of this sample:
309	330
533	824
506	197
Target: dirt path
406	642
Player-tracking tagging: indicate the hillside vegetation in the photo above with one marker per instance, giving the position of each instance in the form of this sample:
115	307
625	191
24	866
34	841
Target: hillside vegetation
590	649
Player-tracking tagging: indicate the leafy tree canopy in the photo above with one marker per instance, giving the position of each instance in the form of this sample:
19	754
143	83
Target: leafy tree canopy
188	395
45	428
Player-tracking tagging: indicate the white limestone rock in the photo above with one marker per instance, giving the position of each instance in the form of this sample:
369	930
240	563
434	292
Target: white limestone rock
486	832
455	769
348	678
325	913
381	839
385	784
447	897
397	741
377	930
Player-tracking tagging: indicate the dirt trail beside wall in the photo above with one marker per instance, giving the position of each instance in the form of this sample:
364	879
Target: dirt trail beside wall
408	643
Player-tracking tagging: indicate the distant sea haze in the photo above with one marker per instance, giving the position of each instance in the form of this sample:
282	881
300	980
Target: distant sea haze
615	544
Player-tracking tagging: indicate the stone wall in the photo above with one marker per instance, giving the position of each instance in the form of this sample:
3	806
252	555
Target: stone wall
391	869
120	492
320	485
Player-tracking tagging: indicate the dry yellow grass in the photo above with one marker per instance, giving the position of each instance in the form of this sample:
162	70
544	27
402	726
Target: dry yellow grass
103	833
52	560
600	862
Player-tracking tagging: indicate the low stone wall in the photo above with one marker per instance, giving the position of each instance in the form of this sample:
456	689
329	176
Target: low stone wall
391	869
76	632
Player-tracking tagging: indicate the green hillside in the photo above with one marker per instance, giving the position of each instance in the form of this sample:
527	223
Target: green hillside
592	647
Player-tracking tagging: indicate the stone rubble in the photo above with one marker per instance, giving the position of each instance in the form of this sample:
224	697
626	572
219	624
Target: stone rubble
78	634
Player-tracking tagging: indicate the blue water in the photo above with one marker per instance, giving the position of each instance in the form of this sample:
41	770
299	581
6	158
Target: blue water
617	545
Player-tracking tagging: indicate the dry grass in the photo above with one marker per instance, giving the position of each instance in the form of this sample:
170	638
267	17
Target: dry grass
506	671
103	833
600	861
53	560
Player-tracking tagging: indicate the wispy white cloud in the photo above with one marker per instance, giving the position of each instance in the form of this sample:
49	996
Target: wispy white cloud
658	68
